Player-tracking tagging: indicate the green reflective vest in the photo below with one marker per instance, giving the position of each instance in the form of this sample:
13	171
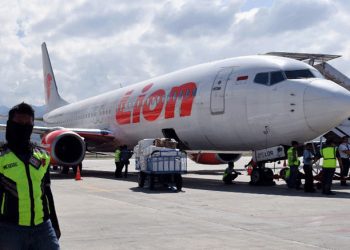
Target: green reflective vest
227	172
293	159
22	186
329	157
287	173
117	155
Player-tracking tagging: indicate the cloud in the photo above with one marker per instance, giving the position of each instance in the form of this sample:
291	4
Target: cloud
283	17
193	19
96	47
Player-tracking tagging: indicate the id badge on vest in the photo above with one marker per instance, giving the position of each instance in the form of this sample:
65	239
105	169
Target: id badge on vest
35	162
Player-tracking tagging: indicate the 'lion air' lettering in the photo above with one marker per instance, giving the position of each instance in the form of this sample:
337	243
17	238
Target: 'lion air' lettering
150	107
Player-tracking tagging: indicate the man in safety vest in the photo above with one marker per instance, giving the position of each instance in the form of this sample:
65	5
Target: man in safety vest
294	163
27	213
125	155
330	156
230	174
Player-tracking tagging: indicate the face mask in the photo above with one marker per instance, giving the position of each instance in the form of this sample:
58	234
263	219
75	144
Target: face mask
18	136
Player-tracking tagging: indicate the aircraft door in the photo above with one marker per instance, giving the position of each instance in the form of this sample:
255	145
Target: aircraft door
217	97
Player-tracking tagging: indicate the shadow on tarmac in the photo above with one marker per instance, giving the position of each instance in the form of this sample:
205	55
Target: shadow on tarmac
208	184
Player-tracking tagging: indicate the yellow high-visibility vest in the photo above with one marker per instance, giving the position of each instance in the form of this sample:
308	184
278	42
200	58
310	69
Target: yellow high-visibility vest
22	196
293	159
117	155
329	157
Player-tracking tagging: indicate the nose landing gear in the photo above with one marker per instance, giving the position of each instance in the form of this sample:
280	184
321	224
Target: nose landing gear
262	176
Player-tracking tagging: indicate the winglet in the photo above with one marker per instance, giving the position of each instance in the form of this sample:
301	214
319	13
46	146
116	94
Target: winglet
52	98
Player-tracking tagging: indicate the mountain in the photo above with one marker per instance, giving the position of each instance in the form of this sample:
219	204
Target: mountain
3	110
39	110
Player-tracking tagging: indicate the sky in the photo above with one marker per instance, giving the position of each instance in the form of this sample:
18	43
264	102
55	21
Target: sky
98	46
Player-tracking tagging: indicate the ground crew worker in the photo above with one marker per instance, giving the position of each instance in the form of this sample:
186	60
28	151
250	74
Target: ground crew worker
329	154
27	213
230	174
308	157
293	161
117	174
125	155
344	154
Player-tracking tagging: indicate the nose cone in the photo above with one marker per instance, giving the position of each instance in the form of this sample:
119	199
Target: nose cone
326	105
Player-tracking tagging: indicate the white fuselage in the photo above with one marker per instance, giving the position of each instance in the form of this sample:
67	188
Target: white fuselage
215	106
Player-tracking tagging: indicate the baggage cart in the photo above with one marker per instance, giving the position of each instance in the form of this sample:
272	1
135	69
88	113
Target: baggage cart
160	164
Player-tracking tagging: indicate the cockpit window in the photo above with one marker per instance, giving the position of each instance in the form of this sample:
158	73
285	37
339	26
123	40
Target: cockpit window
299	74
262	78
276	77
269	78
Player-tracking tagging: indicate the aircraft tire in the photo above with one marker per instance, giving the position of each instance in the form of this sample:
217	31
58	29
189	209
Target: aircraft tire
255	177
268	174
65	170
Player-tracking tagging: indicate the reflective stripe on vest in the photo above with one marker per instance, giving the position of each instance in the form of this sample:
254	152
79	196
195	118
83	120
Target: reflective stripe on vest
329	157
24	183
292	159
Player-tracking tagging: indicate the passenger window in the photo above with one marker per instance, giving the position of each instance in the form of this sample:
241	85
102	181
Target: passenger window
276	77
262	78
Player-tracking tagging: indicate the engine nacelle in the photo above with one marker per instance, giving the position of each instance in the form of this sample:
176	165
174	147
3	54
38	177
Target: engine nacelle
65	147
214	158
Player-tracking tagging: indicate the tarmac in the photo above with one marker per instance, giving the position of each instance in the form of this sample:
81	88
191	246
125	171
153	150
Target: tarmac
101	212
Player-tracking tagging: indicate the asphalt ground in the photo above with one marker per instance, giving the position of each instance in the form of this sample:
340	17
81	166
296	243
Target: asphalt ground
101	212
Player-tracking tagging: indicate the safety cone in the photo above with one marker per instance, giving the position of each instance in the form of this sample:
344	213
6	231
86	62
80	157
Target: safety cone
77	175
249	170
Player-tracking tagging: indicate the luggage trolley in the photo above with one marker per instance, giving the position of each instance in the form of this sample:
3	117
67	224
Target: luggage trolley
161	164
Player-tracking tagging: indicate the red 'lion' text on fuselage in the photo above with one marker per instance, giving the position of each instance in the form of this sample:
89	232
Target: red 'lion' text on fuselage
151	107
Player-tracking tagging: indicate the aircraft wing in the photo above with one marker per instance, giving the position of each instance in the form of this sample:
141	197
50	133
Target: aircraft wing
93	137
81	131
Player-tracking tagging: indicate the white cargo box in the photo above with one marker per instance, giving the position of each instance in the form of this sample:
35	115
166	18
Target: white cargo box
165	151
165	142
143	144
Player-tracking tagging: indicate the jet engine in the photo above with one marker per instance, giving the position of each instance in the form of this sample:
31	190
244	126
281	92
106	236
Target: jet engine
214	158
65	147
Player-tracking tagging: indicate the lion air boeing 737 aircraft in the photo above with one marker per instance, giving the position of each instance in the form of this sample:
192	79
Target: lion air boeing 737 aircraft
220	108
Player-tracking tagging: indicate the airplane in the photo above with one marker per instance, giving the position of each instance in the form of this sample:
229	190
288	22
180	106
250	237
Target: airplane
214	110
